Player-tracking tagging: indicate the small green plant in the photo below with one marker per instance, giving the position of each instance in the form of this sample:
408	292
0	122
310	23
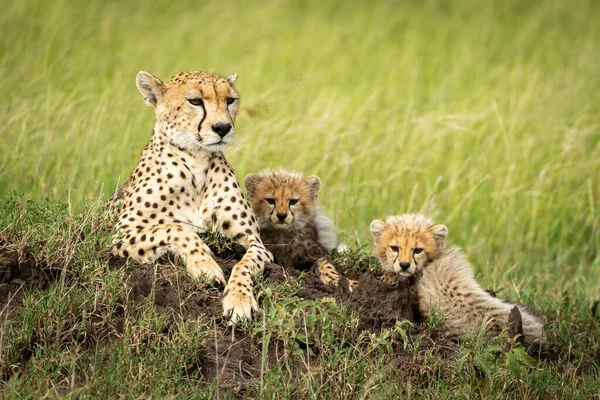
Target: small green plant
436	318
296	323
356	259
517	358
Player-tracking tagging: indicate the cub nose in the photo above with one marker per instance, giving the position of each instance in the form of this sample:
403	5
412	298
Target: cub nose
404	265
221	128
281	216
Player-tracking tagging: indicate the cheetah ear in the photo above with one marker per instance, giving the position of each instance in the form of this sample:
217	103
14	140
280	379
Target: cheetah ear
251	181
232	79
439	233
151	88
377	227
314	184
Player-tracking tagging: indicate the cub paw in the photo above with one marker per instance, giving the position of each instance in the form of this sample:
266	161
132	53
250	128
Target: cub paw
238	305
330	278
352	284
389	278
327	272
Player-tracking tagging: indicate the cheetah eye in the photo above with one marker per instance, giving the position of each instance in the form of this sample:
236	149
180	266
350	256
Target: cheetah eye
196	101
230	100
417	250
271	201
293	202
395	249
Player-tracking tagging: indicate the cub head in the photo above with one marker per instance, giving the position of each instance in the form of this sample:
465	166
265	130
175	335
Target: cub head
407	243
282	200
195	109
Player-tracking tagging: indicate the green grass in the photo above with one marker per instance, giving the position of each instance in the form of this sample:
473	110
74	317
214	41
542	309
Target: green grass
482	114
88	336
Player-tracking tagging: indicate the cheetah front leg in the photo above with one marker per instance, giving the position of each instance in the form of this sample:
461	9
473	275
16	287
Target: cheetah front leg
238	300
148	244
232	216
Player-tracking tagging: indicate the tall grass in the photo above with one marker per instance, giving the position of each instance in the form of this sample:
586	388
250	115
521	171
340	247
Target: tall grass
483	114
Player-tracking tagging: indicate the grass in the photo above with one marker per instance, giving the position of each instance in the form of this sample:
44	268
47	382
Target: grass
482	114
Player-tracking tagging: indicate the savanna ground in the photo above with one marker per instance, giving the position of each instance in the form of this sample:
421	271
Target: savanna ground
484	115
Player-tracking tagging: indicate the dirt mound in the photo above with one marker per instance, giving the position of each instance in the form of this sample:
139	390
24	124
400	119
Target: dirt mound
378	304
175	293
231	357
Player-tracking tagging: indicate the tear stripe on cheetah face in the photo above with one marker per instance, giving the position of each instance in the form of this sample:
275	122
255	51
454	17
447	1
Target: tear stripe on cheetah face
179	188
192	108
283	199
407	243
445	279
292	225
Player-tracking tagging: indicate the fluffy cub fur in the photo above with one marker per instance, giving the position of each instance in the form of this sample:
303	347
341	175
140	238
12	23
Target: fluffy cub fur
291	224
412	246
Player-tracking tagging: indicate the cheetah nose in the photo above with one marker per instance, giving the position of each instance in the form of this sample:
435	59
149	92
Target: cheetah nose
221	128
281	216
404	265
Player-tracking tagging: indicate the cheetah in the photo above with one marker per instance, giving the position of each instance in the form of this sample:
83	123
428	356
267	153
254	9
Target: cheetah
292	225
183	185
411	245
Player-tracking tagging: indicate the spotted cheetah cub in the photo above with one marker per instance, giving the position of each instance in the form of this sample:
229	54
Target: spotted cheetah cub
183	185
411	245
292	225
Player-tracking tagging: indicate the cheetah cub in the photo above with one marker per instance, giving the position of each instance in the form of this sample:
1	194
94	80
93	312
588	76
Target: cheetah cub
292	226
411	245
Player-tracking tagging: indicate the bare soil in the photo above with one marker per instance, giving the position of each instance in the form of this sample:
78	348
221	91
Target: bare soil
19	274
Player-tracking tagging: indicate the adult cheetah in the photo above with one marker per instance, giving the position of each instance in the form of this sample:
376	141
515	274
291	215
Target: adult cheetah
183	184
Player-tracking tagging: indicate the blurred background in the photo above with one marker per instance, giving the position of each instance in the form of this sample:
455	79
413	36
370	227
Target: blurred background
484	114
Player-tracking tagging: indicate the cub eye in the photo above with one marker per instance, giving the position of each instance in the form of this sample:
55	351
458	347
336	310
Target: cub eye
395	249
271	201
417	250
196	101
230	100
293	202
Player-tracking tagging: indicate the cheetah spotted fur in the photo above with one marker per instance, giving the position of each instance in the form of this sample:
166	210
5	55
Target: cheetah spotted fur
183	185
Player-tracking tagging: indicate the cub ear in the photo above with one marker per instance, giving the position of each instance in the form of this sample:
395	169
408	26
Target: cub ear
232	79
151	88
439	233
377	227
314	184
251	181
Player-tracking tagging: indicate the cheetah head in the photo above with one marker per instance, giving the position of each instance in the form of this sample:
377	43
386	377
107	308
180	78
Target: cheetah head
282	200
407	243
194	109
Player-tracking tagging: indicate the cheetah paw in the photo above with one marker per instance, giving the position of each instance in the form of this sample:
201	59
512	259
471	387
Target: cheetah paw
207	270
352	284
238	306
389	278
330	278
